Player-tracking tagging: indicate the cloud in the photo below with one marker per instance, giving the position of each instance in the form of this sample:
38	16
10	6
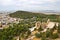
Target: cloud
30	4
12	2
6	2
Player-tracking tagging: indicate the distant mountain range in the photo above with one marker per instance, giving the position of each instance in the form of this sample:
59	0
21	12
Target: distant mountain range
51	11
41	11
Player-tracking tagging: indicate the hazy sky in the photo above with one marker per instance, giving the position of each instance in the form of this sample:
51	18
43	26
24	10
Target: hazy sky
35	5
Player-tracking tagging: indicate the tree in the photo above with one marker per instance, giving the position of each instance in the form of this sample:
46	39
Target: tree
16	30
48	33
55	35
59	29
43	36
38	35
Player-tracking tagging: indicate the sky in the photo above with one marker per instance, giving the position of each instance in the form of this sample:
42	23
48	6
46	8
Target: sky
30	5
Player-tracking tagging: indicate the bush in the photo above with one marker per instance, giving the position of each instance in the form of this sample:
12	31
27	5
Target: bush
48	33
59	29
54	36
38	35
43	38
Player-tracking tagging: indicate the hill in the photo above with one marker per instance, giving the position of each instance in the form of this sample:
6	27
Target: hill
25	14
39	16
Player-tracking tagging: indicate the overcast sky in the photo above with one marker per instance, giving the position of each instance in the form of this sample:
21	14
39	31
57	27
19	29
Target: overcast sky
32	5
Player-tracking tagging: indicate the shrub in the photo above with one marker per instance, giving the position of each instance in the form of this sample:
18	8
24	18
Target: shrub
38	35
55	35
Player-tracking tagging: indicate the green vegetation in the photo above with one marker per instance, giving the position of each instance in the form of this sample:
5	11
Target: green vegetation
16	30
59	28
38	35
22	28
49	34
36	16
54	36
26	15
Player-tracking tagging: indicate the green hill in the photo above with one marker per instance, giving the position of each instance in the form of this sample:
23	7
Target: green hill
25	14
28	15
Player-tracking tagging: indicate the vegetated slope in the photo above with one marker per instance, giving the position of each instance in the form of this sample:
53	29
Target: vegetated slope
25	14
28	15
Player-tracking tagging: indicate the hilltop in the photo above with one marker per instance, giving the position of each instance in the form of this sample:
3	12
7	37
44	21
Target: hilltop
25	14
38	16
